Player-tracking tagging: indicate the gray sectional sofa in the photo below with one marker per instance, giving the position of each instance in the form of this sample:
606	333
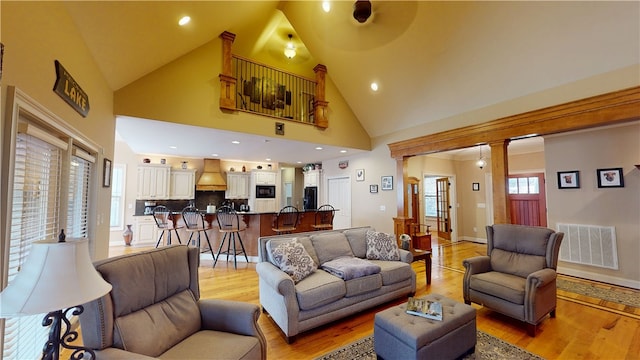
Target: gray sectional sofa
321	297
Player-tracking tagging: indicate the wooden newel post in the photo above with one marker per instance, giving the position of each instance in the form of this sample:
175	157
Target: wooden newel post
227	81
320	104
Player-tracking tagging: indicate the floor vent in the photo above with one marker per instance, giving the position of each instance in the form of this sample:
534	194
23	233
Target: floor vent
589	245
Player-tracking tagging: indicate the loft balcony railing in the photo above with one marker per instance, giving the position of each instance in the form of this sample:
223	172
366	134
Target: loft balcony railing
257	88
273	92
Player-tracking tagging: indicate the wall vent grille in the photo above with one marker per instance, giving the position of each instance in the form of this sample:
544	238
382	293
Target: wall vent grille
589	245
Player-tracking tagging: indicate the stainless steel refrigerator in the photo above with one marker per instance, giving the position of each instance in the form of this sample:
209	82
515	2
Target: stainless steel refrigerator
311	198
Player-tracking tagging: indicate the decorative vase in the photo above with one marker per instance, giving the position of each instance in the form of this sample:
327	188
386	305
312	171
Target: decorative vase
127	235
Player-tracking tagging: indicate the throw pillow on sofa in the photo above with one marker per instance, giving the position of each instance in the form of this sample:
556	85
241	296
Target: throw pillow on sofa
331	245
294	260
381	246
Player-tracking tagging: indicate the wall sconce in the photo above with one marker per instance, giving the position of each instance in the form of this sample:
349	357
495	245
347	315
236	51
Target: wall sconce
290	50
481	163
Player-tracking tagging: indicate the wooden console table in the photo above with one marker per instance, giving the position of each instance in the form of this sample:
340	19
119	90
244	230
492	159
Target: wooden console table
426	256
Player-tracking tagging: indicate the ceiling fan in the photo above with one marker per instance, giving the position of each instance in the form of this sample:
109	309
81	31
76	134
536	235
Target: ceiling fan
362	10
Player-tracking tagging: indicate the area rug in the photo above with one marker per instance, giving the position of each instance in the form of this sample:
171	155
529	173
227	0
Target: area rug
628	298
487	347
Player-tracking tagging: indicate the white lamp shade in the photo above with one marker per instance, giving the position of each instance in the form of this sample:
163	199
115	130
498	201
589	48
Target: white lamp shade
55	276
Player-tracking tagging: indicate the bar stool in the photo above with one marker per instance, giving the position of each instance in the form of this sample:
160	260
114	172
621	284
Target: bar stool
230	225
324	218
194	223
164	221
286	220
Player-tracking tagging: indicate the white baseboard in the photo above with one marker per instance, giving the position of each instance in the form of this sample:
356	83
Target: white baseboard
473	239
634	284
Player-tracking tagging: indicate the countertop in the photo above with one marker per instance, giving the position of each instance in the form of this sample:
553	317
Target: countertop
239	212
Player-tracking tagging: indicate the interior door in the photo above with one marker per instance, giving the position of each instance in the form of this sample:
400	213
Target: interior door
443	208
339	195
527	199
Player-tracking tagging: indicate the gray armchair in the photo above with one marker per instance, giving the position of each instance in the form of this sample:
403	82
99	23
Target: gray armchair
518	276
154	311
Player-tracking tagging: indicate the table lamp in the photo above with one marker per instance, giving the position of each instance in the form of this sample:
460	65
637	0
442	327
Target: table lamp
56	278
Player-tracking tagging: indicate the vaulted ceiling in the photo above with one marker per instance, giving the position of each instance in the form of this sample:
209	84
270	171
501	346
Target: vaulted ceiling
432	60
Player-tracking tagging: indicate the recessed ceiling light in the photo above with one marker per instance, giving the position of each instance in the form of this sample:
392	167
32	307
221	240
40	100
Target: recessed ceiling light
326	6
235	142
184	20
343	151
318	148
374	86
298	162
267	159
173	147
214	154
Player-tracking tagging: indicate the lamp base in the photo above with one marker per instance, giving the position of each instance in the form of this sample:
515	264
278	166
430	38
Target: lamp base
55	319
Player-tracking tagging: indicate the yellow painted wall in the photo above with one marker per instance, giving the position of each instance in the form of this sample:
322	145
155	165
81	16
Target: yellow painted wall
35	34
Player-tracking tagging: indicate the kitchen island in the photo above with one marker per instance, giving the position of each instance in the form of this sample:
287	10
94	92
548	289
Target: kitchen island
258	224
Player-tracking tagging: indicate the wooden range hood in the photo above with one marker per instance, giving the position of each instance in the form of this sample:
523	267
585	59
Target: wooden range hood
211	179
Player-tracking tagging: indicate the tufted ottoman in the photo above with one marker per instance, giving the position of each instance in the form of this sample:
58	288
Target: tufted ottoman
398	335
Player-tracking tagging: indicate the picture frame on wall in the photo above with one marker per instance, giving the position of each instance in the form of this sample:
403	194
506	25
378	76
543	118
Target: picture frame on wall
373	188
387	183
359	174
106	171
569	179
475	186
611	177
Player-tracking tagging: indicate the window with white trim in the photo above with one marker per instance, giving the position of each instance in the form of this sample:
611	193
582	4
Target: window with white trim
430	198
36	200
51	187
117	197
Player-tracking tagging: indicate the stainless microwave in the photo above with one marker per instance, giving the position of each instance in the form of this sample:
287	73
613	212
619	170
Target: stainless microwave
265	191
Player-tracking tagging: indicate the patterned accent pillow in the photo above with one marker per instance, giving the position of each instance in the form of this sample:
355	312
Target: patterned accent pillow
381	246
293	259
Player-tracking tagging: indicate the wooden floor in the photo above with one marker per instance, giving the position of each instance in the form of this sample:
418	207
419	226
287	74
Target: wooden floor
584	328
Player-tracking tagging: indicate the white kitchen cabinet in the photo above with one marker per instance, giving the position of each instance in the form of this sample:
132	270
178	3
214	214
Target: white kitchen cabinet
312	178
182	184
263	177
264	205
144	231
237	185
153	182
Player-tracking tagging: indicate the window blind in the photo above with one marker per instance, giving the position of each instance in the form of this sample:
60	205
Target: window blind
35	200
78	201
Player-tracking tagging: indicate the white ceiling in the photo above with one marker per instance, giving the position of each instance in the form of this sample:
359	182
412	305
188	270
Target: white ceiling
143	136
432	59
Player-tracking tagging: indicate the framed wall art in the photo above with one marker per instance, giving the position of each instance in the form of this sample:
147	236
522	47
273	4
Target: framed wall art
373	189
610	178
359	174
106	171
475	186
569	179
387	183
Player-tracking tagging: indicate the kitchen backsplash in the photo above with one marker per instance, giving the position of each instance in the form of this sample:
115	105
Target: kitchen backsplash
173	205
203	198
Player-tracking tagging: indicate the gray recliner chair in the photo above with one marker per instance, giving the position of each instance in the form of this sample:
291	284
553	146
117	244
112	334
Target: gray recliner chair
517	277
154	311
